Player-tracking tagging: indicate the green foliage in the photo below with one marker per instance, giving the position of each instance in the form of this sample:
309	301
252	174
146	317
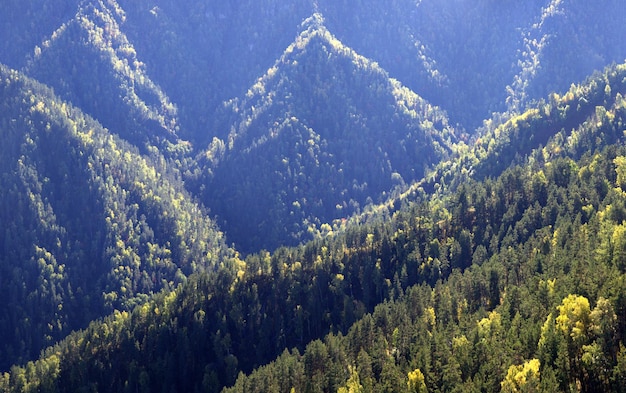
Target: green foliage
106	76
306	146
92	225
383	299
511	248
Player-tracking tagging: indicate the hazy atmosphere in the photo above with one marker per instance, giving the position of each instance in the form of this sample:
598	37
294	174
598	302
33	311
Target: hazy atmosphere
313	196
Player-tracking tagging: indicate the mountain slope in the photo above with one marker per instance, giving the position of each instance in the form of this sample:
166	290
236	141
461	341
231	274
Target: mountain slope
25	24
470	58
319	135
204	53
89	224
478	282
586	117
497	237
473	58
90	63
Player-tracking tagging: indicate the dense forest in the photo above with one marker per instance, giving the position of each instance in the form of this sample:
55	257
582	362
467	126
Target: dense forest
300	127
73	197
313	196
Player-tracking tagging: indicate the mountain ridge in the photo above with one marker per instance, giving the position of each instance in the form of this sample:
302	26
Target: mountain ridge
174	122
103	66
492	267
131	241
328	167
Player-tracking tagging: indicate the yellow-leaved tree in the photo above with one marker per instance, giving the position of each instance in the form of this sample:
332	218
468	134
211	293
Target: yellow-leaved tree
574	318
416	383
522	378
353	385
589	335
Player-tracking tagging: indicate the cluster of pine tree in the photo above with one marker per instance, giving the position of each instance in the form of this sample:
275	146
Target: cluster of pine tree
92	226
494	261
512	282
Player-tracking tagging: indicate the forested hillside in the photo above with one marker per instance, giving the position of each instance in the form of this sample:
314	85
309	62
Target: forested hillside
312	196
102	75
89	225
163	74
329	131
478	57
514	281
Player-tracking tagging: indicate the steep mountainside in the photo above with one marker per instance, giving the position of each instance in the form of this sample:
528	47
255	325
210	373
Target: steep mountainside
497	286
91	63
464	190
204	53
477	57
159	73
25	24
321	134
89	225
